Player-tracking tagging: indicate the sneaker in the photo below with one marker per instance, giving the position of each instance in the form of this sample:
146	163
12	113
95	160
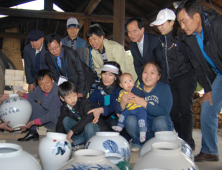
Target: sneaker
135	149
77	147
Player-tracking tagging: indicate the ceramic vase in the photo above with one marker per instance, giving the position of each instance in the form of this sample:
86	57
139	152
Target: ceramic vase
109	142
165	155
89	159
119	161
17	110
13	157
54	150
167	136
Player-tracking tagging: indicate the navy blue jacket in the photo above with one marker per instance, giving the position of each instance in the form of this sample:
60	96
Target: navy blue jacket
97	97
29	58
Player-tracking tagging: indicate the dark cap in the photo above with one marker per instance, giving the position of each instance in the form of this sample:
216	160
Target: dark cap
34	35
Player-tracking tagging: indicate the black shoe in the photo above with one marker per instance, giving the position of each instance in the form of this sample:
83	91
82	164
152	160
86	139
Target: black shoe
29	136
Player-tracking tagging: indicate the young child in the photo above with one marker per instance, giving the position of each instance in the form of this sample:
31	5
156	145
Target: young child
74	119
127	83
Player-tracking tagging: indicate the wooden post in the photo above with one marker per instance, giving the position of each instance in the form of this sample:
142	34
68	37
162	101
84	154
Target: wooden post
48	5
87	23
119	21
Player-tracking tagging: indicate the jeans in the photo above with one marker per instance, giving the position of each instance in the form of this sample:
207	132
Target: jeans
141	116
38	111
89	131
161	123
209	120
183	88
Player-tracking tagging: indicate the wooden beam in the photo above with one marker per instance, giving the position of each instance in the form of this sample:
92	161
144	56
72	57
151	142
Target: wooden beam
136	8
86	27
82	6
10	3
119	21
48	5
89	10
13	35
216	7
151	3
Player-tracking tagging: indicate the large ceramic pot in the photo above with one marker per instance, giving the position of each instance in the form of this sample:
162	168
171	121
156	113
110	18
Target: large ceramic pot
165	155
118	160
17	110
89	159
13	157
54	150
167	136
110	142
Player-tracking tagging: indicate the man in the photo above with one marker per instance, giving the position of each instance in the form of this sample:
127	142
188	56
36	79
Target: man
47	112
107	50
143	47
204	44
65	63
34	57
72	40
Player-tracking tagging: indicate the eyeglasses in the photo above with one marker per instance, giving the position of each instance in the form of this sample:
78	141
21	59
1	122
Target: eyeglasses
54	49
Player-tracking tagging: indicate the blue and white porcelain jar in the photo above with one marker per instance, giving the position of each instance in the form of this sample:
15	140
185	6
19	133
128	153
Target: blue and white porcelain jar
110	142
54	150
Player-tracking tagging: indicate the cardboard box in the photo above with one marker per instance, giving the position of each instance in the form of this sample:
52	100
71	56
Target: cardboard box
18	83
9	82
19	72
9	72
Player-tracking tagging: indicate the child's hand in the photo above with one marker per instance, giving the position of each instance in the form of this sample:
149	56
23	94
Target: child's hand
69	135
140	101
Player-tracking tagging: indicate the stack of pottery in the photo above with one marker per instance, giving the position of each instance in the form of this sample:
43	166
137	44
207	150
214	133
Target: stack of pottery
165	155
54	150
89	159
109	142
167	136
13	157
17	110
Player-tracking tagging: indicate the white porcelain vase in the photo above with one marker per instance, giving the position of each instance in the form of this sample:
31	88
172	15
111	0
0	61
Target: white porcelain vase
165	155
54	150
17	110
109	142
167	136
89	159
13	157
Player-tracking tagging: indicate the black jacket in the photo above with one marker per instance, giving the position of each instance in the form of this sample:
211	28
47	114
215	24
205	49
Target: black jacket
74	68
152	49
212	24
175	55
81	108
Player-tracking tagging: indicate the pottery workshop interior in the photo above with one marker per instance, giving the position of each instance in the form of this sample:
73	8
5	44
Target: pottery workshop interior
110	84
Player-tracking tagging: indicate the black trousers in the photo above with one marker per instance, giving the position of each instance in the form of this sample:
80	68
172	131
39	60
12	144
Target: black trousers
183	88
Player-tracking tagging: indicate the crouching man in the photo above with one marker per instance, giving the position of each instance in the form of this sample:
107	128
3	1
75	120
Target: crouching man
47	112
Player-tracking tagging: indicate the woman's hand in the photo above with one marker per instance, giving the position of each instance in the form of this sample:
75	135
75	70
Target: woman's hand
125	100
139	100
69	135
3	97
96	112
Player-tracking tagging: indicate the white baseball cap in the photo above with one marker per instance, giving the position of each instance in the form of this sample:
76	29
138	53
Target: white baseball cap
72	22
163	16
110	68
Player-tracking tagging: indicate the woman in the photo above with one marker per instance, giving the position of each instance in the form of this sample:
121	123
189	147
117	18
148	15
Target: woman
157	102
180	73
106	93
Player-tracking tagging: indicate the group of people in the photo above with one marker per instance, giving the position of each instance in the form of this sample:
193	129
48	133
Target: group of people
166	66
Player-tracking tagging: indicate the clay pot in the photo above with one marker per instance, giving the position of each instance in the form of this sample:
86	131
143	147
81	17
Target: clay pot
17	110
13	157
110	142
54	150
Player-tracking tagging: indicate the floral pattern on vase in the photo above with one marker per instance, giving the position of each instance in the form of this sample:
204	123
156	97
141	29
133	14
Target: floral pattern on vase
60	148
79	166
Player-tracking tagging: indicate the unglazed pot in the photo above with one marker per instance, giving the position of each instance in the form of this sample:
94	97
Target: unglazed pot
54	150
13	157
167	136
89	159
165	155
17	110
119	161
109	142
